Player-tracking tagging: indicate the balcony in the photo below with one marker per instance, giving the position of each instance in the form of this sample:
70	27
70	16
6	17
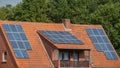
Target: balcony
72	58
64	63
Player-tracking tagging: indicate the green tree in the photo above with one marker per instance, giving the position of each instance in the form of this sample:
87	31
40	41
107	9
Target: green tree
34	10
5	12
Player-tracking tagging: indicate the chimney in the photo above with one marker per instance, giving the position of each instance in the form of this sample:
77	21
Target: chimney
67	23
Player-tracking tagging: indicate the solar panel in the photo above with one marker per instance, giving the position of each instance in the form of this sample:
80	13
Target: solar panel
101	42
98	47
21	53
18	54
18	39
61	37
14	44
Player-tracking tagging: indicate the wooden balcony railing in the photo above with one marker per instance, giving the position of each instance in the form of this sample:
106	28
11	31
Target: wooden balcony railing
64	63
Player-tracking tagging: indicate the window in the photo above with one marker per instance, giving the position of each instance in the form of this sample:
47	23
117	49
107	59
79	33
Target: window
60	55
63	55
4	56
75	56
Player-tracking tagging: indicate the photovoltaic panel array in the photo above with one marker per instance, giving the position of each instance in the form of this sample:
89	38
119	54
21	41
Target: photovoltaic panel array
61	37
102	43
18	39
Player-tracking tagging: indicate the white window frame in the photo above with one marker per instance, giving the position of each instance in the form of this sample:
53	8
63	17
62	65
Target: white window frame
4	56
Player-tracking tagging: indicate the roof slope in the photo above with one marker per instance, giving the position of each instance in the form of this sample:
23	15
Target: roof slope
38	55
98	58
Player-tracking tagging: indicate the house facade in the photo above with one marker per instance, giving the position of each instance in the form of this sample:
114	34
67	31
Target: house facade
51	45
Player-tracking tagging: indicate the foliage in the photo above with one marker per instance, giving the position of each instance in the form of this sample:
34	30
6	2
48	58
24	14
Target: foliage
104	12
5	12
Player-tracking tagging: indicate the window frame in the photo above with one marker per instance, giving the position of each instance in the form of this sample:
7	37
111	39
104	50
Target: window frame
62	55
4	56
66	55
75	55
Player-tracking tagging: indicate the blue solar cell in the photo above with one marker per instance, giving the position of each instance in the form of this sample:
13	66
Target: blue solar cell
18	54
69	37
14	44
105	39
49	36
44	32
61	37
101	32
6	27
55	40
19	28
54	32
114	55
109	46
13	28
16	36
67	41
100	40
56	36
98	47
65	33
24	53
108	55
27	45
62	33
90	32
76	41
20	45
104	48
61	41
48	32
23	36
95	31
10	36
94	39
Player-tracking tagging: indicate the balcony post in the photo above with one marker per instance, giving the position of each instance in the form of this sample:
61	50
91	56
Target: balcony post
58	63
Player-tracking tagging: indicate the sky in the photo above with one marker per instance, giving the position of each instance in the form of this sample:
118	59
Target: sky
12	2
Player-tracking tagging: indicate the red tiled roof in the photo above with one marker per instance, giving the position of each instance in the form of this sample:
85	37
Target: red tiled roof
38	56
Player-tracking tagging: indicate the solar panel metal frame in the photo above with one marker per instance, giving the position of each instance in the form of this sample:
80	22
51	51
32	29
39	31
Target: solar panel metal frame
103	41
60	37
